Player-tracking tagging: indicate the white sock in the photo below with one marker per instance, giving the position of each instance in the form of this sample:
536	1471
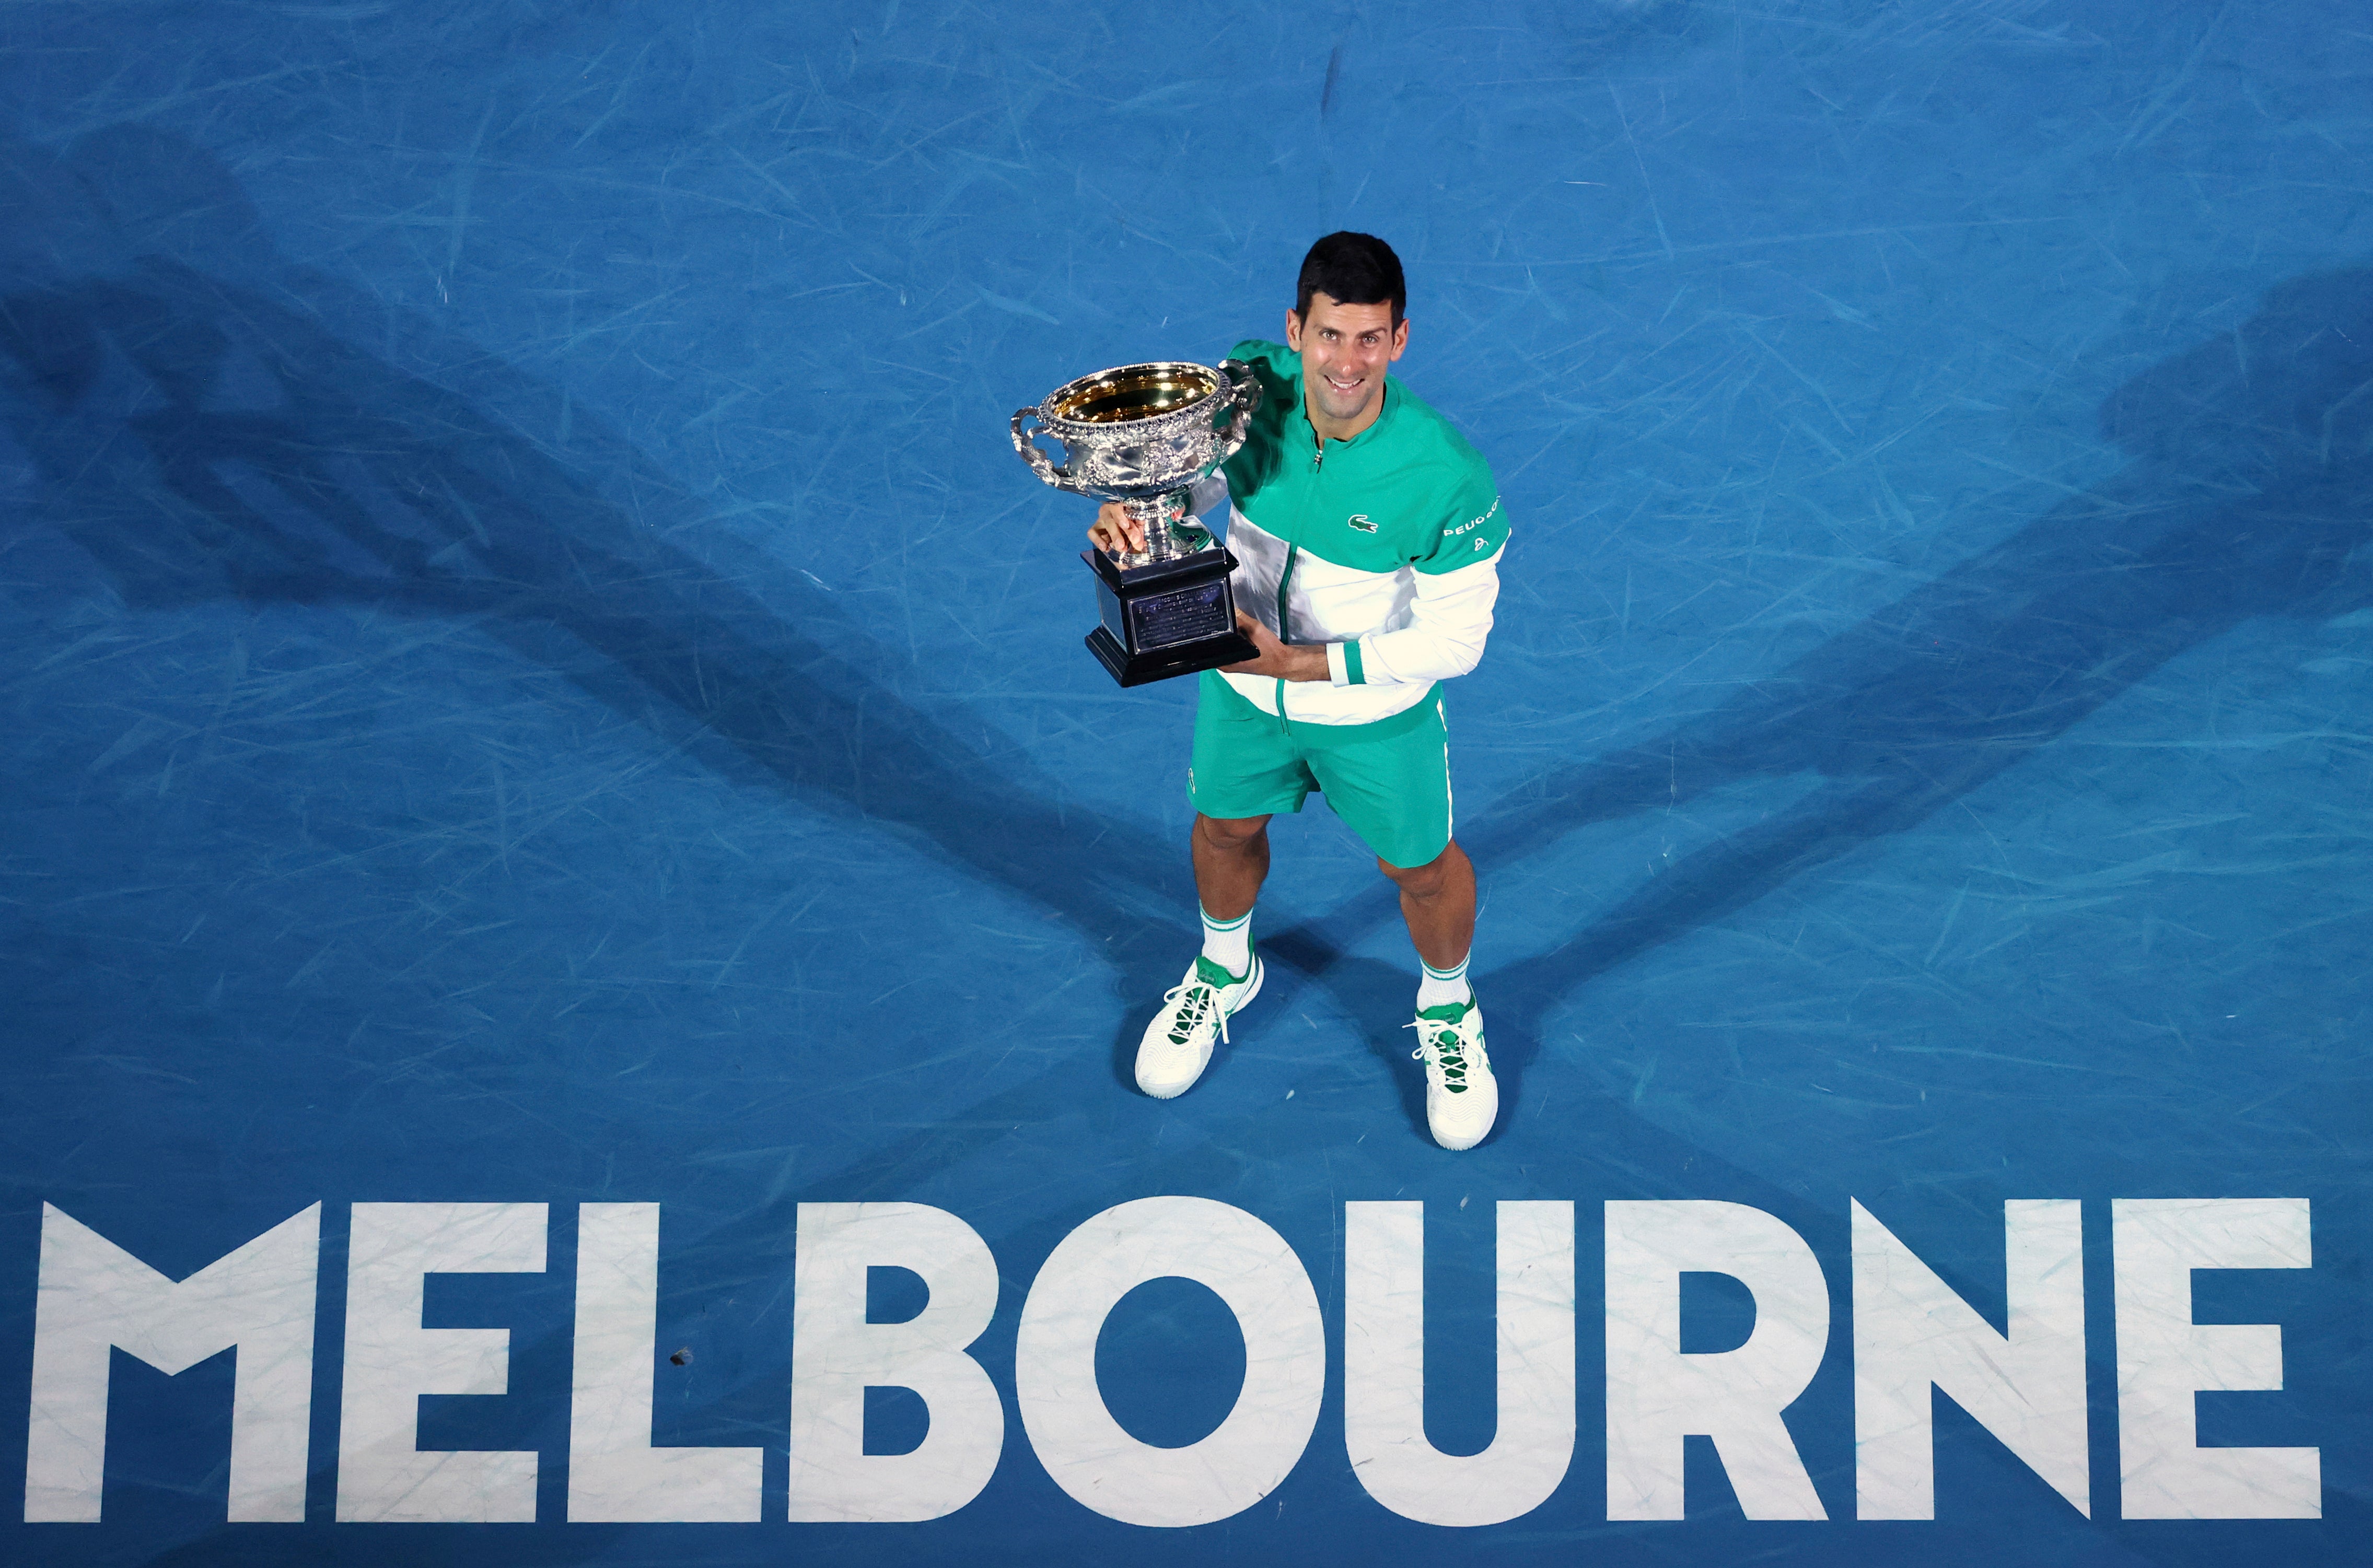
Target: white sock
1229	943
1440	988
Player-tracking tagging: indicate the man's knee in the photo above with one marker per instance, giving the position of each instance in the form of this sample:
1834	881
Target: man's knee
1424	881
1230	832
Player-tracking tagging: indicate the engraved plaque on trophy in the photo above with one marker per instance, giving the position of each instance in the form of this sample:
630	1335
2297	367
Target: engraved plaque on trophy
1142	435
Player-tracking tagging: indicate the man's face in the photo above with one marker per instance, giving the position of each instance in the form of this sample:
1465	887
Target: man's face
1344	350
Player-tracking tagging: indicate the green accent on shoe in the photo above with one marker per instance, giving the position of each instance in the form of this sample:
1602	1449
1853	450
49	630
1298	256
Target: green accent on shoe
1198	1001
1216	977
1202	999
1447	1042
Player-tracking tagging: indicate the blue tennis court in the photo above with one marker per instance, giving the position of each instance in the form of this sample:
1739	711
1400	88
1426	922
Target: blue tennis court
576	915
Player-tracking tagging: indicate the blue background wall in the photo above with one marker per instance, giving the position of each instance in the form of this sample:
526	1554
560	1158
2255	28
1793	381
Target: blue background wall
532	672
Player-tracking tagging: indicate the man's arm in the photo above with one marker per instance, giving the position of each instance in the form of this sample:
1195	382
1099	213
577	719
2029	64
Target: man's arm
1450	619
1287	661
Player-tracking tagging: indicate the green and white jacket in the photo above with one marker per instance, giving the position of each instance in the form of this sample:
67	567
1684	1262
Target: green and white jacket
1385	547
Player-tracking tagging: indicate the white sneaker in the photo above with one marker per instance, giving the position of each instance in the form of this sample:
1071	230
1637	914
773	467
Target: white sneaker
1462	1099
1177	1044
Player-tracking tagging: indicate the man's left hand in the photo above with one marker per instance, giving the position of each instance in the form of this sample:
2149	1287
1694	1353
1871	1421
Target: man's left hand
1287	661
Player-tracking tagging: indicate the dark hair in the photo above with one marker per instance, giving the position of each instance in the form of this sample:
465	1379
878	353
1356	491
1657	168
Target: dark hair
1352	268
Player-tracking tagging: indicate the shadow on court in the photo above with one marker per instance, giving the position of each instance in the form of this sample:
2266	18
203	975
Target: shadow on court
268	459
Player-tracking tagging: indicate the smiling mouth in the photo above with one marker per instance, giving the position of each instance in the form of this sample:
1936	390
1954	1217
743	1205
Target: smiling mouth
1344	387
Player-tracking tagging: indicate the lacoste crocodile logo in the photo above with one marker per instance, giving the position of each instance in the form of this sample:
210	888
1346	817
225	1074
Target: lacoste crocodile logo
1360	521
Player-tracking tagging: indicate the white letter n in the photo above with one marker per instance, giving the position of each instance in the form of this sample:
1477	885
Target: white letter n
1912	1333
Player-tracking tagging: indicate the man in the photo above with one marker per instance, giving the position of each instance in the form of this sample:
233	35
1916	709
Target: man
1369	534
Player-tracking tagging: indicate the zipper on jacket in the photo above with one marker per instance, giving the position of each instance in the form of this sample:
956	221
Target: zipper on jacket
1285	576
1284	621
1293	547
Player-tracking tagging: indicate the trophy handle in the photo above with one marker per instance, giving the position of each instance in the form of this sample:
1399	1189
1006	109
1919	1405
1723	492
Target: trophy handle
1246	388
1032	453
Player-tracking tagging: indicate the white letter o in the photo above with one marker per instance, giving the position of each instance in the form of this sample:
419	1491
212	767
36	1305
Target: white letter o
1249	1267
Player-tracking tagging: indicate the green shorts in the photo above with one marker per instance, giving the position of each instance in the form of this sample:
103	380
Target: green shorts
1389	781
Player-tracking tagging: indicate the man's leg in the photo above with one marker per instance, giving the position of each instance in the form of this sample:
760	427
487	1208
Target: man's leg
1438	901
1393	789
1243	769
1395	794
1462	1097
1232	861
1231	858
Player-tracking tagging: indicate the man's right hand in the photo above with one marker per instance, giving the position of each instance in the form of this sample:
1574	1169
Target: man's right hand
1116	531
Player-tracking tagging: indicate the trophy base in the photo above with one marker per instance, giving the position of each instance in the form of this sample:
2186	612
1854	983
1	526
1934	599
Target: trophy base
1167	618
1136	669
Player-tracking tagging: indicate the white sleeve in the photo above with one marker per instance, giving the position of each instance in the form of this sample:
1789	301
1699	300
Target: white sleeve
1451	617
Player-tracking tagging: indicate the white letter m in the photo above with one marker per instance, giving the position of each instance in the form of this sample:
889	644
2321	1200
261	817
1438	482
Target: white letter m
94	1295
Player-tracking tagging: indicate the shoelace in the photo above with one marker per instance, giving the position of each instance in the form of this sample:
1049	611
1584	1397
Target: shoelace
1446	1045
1201	1000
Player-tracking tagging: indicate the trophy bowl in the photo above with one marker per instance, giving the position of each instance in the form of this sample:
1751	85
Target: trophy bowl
1142	435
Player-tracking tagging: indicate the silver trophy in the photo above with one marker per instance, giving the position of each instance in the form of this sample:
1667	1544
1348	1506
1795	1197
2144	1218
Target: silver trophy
1142	435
